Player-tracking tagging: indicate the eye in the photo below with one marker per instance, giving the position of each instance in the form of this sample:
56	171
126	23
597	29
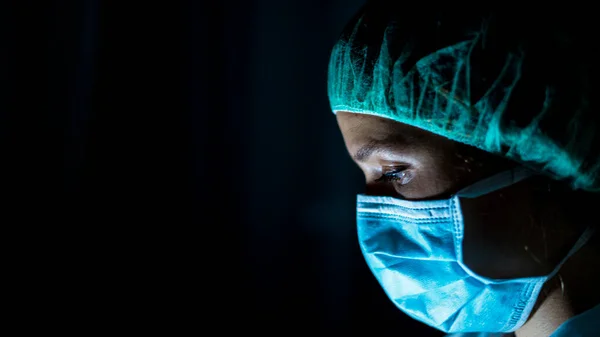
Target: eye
398	175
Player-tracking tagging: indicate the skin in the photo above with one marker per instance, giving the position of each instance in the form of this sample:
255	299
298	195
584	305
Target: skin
523	230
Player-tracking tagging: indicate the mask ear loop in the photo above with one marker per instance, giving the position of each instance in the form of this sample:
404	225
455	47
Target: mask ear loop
496	182
583	239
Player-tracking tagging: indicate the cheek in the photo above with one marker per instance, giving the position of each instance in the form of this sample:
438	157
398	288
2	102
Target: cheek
497	230
436	175
381	190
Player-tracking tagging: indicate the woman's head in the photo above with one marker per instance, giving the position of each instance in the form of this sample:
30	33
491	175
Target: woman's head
432	101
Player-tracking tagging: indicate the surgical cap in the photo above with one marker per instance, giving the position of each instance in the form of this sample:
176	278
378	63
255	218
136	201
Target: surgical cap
519	84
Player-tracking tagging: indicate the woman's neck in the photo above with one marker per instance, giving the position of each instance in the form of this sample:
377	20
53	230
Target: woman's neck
571	292
553	311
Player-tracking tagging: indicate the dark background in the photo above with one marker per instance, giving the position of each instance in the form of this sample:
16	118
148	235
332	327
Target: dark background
176	164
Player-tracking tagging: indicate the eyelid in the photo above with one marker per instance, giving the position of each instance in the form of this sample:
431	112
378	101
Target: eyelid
394	169
393	175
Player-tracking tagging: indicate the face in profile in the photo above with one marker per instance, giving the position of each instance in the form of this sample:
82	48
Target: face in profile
501	239
518	242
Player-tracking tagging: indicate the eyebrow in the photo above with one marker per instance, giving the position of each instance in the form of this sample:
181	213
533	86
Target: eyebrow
375	145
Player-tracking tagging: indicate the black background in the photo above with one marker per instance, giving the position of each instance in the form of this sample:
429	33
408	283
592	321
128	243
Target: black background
177	165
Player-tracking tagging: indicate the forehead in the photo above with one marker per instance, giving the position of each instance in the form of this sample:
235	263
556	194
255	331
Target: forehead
356	127
356	124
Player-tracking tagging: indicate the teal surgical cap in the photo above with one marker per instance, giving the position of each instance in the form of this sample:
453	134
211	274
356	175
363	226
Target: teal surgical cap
523	85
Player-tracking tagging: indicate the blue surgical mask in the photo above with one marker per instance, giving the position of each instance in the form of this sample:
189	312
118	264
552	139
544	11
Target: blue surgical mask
414	249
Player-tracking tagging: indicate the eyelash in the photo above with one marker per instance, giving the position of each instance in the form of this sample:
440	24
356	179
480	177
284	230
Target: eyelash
392	176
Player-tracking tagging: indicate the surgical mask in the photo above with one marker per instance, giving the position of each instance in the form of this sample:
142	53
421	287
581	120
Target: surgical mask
414	249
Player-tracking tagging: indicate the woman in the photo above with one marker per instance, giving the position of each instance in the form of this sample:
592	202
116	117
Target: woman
477	132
